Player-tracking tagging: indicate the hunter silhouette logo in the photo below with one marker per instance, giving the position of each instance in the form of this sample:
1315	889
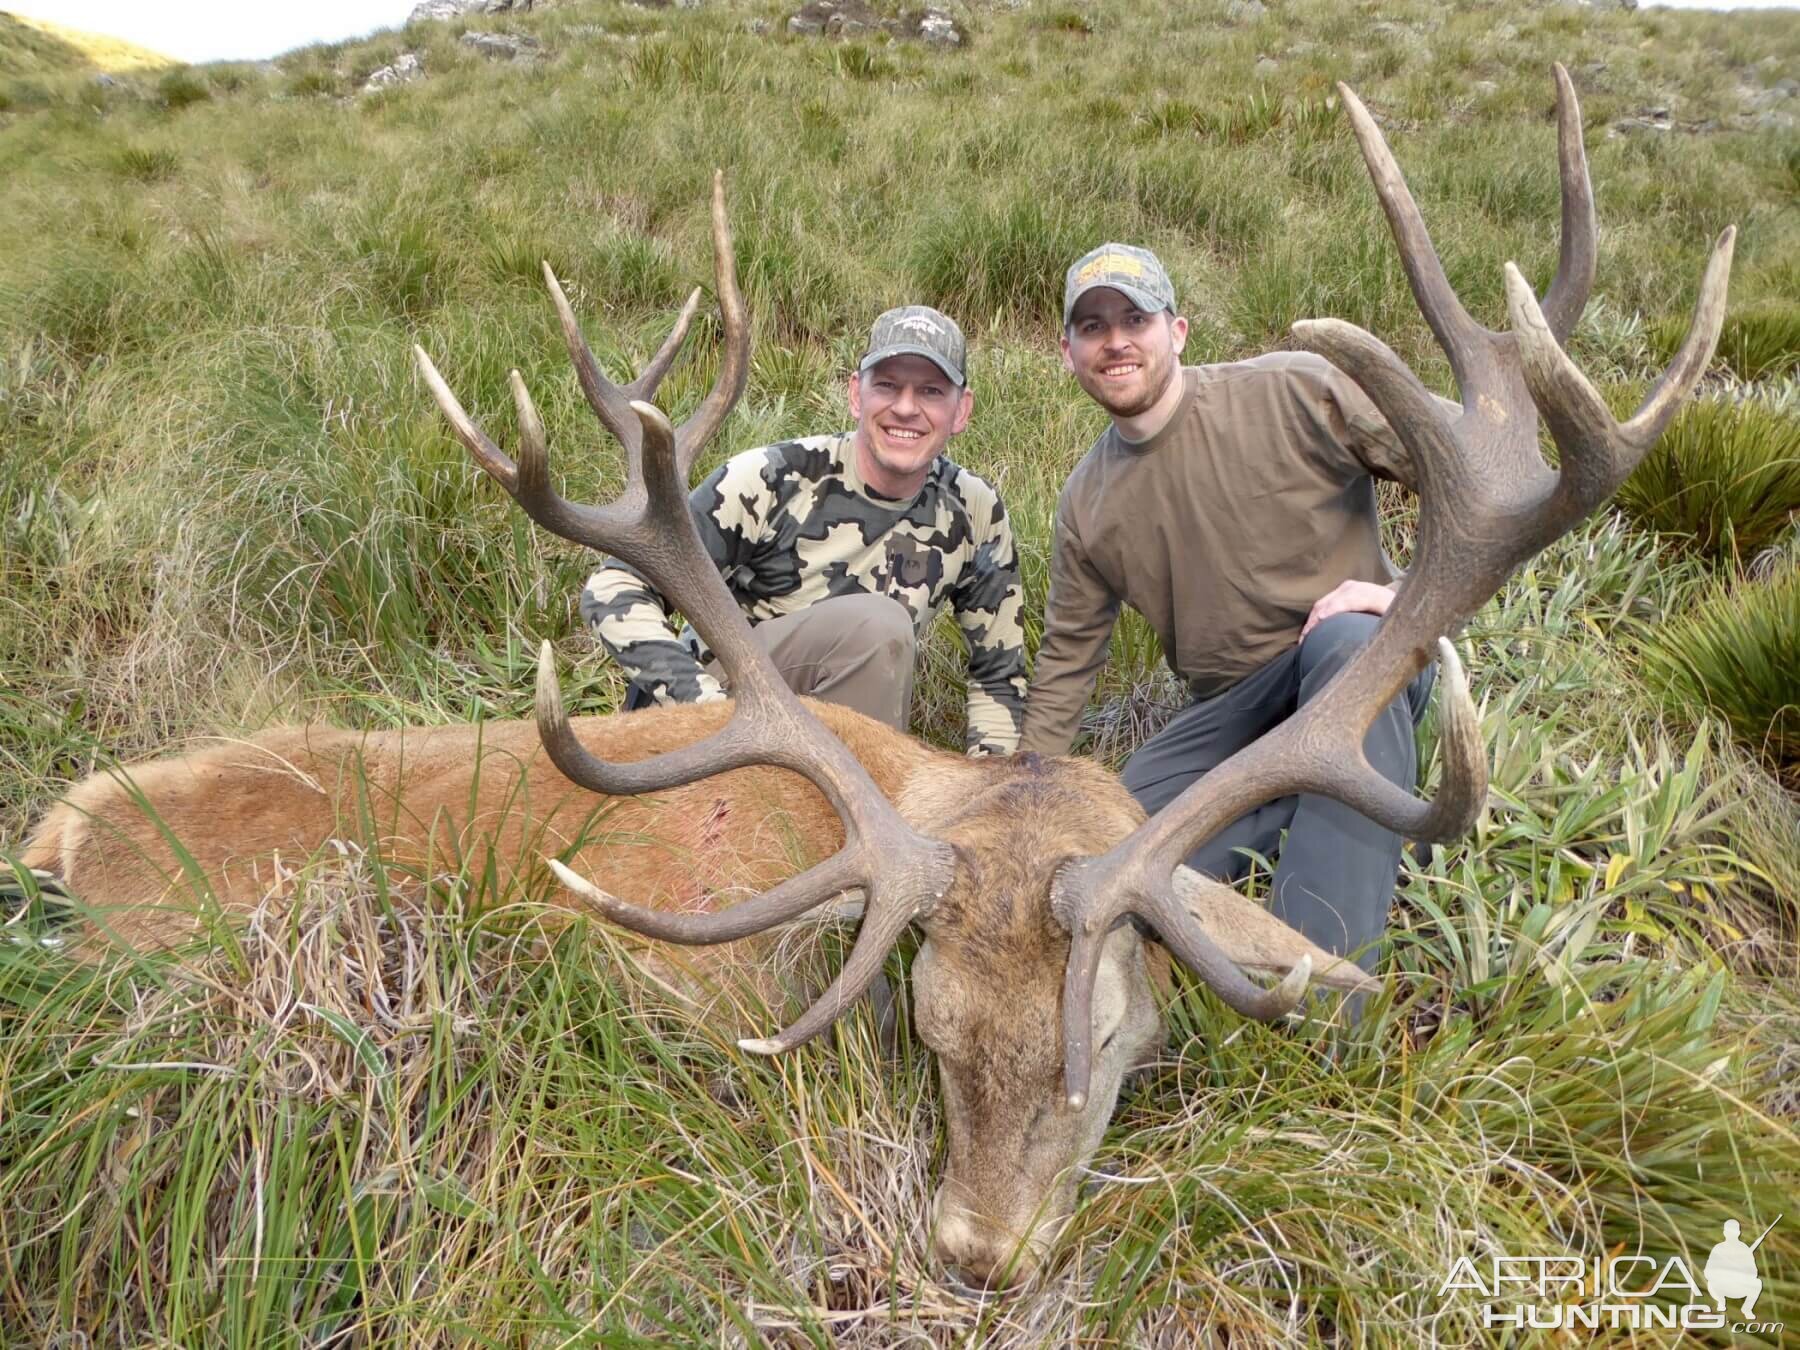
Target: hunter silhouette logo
1543	1293
1731	1269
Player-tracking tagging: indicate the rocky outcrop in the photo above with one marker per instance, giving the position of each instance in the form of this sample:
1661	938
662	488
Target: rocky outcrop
456	9
854	18
405	70
504	46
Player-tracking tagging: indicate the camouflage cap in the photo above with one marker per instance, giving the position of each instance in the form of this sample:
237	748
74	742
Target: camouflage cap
919	330
1136	273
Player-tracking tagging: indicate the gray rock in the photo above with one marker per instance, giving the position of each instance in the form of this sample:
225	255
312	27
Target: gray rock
852	18
1245	11
456	9
757	27
104	81
444	9
1657	119
1486	88
939	29
1506	32
1266	68
506	46
833	18
405	70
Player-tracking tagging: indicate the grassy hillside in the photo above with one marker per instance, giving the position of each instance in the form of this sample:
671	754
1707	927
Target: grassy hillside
225	500
31	46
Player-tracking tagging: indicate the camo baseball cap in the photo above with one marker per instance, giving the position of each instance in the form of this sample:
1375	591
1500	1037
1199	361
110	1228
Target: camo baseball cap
919	330
1134	272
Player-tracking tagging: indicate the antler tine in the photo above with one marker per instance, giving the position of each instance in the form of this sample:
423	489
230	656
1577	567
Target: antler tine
1598	452
528	480
734	360
785	902
492	458
1487	503
609	402
1577	252
650	379
1462	339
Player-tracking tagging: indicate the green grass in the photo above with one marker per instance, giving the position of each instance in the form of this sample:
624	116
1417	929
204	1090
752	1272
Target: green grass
1759	341
1723	480
394	1116
1736	653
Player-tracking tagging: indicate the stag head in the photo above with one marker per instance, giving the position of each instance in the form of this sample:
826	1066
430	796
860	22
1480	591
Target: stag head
1038	881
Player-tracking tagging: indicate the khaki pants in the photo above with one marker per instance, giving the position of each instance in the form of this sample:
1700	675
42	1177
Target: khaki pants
853	650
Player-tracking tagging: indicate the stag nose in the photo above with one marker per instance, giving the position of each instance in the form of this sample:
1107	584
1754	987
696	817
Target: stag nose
976	1254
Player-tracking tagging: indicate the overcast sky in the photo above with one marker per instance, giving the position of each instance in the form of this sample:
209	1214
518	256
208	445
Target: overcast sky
249	30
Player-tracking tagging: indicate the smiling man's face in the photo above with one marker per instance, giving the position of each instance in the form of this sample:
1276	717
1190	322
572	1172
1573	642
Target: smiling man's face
1122	357
906	411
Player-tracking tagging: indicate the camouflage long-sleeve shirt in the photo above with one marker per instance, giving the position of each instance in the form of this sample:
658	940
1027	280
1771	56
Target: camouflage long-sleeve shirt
792	524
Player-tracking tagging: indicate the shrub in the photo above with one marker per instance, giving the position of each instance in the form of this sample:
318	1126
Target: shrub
1737	652
790	282
314	84
180	89
856	61
1067	19
147	166
1759	341
1725	477
404	259
981	260
1206	196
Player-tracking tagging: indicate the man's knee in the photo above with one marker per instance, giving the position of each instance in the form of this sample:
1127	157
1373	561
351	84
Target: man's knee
1333	642
875	623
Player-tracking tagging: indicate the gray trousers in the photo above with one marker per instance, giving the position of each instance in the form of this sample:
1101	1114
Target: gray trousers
853	650
1336	872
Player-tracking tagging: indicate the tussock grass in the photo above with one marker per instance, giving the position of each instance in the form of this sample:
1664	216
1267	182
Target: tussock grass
391	1115
1759	341
182	89
1724	479
1737	652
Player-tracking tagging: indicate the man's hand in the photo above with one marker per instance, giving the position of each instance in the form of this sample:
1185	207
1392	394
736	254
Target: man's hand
1348	597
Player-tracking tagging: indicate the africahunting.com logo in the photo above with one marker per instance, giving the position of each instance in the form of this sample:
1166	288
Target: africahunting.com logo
1550	1293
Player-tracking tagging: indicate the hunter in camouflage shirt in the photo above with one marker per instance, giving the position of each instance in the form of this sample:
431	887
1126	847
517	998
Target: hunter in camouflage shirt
799	525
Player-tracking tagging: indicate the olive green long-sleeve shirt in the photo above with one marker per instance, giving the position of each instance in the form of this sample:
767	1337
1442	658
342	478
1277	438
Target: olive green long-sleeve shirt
1222	530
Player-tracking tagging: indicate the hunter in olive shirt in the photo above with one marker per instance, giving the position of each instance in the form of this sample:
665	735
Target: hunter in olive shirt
1222	529
1234	507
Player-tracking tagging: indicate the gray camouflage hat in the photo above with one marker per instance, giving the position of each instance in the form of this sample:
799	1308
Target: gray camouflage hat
1136	273
919	330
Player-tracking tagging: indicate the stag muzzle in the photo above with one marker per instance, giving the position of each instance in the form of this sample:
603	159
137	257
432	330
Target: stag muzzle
982	1253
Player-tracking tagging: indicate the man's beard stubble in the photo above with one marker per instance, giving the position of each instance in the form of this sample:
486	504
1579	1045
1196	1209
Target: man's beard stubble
1144	402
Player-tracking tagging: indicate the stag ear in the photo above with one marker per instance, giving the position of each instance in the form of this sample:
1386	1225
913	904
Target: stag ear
1256	940
965	880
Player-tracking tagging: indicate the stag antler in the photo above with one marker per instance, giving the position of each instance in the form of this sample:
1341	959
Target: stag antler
902	873
1487	502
